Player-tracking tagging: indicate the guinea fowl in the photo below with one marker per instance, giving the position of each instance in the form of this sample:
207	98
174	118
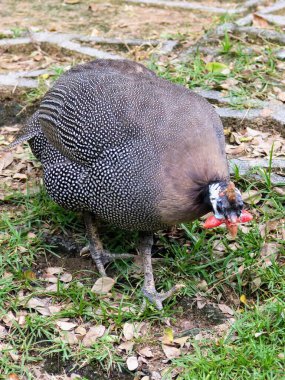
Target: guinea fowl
133	150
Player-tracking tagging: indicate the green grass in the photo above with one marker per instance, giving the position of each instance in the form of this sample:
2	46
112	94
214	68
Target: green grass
253	349
240	358
254	68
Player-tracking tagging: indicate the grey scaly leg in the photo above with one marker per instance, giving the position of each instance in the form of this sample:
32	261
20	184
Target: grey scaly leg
148	289
98	254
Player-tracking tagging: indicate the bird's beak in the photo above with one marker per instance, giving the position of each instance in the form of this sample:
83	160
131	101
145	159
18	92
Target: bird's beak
232	228
232	224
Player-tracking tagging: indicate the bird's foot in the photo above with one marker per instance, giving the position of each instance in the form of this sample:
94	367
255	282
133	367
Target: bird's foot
157	298
104	257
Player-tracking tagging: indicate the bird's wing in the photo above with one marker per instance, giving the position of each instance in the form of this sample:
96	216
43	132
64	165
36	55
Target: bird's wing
89	108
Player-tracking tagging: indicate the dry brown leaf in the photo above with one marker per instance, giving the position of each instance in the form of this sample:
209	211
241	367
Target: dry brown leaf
252	197
181	341
268	227
66	326
81	330
3	332
66	277
6	160
39	305
202	285
232	149
225	309
14	355
229	83
128	331
103	285
132	363
167	336
255	283
55	308
219	246
269	249
126	346
171	352
92	335
146	351
69	337
9	318
53	270
52	288
258	21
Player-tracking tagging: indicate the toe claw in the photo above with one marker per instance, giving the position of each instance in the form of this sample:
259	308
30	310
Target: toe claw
157	298
84	250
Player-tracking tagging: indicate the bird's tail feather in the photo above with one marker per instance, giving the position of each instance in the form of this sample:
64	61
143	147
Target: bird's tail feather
30	130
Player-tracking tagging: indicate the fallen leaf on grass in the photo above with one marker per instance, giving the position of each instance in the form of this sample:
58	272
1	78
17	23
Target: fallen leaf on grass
6	160
168	336
80	330
52	288
128	331
146	351
9	318
269	249
39	305
132	363
53	270
225	309
103	285
3	332
66	326
279	190
171	352
258	21
217	68
55	308
29	275
69	337
243	299
252	197
92	335
269	226
66	277
181	341
255	283
126	346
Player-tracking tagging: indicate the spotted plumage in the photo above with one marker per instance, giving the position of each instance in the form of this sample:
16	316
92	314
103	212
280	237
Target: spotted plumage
124	146
133	149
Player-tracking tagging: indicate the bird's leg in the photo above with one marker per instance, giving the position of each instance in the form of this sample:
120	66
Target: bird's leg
148	289
98	254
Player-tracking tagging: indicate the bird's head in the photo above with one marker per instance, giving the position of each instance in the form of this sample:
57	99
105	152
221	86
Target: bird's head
227	206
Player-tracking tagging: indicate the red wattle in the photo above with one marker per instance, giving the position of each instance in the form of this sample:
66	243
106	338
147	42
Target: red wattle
245	216
212	222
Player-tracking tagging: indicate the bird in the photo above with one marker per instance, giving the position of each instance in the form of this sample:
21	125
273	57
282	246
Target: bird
129	148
